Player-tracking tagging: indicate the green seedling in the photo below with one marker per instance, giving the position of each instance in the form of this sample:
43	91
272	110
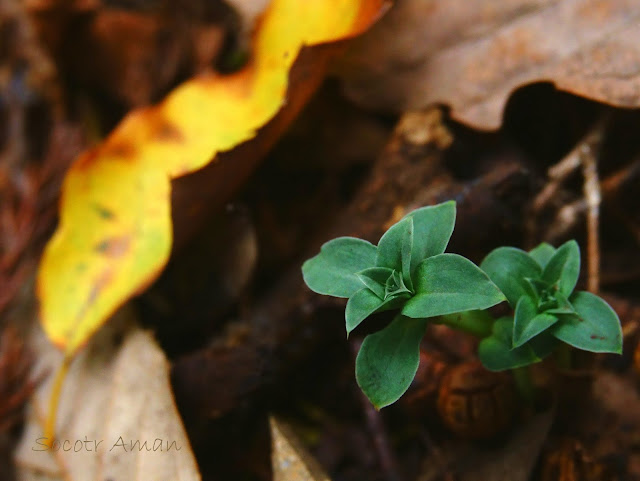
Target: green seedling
409	272
539	286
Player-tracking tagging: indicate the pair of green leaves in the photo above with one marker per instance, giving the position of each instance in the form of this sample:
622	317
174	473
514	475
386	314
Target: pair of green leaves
539	286
409	271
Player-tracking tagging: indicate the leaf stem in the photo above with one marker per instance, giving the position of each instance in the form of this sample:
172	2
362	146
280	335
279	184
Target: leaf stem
524	384
478	323
54	399
564	358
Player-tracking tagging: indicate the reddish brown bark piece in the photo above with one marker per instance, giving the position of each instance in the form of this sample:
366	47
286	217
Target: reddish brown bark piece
473	54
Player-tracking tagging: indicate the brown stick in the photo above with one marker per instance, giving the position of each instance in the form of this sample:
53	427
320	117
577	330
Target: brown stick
377	429
593	198
584	155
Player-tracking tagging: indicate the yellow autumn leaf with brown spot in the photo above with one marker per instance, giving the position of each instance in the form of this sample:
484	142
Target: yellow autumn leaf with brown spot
115	232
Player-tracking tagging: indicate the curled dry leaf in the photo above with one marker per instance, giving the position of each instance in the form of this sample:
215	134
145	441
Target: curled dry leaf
115	234
118	394
473	54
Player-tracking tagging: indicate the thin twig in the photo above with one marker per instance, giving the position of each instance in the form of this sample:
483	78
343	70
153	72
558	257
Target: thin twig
589	150
566	218
557	175
611	187
584	155
378	431
438	457
593	198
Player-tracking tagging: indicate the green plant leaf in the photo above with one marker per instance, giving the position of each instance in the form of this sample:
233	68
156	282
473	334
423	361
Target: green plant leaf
405	255
360	306
477	322
333	271
375	278
508	268
432	228
563	305
388	360
449	283
532	288
528	323
563	268
542	253
394	248
395	286
596	327
496	354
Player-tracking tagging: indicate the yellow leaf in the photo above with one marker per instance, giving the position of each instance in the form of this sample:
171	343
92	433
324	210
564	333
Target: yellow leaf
115	234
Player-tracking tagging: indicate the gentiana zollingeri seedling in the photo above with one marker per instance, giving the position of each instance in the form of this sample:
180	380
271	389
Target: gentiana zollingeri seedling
539	286
408	271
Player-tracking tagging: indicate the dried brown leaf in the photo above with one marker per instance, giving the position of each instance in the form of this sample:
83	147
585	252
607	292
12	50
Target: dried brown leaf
290	460
117	392
471	54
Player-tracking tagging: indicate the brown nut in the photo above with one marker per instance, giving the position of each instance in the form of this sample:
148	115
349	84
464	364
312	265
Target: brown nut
426	383
636	358
475	403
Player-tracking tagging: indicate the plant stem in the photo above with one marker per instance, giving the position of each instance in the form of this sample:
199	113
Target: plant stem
524	385
564	357
56	390
477	323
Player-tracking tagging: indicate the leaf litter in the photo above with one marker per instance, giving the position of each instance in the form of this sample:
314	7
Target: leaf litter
117	418
473	55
